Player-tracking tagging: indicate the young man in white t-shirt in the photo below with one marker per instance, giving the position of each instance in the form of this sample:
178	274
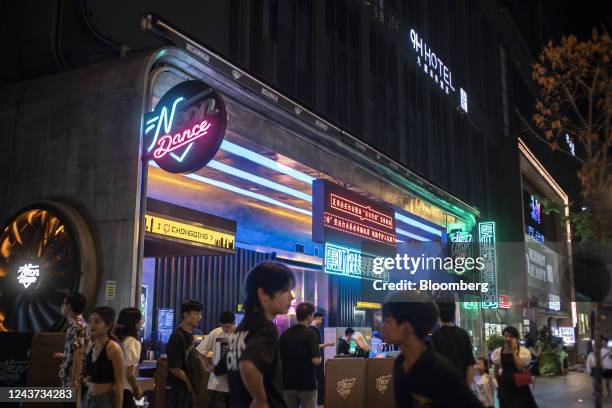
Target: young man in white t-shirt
211	349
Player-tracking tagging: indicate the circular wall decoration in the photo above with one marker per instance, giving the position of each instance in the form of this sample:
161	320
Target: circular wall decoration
186	128
44	250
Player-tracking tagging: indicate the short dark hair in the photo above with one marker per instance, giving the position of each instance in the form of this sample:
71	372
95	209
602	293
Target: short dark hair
511	331
190	306
227	317
349	331
127	321
318	314
485	362
272	277
418	310
303	310
447	310
76	301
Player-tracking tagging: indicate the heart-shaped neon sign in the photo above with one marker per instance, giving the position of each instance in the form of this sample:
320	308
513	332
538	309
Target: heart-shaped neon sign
186	128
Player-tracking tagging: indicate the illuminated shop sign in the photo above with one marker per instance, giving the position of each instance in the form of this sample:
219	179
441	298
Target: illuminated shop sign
535	234
186	128
504	301
28	275
488	251
534	218
434	67
567	334
542	274
341	260
166	228
345	217
536	209
368	305
570	144
460	244
554	302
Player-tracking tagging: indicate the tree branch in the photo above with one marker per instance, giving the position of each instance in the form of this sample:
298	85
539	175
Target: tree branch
543	140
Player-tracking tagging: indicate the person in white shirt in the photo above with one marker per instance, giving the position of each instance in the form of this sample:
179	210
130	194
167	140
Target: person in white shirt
606	363
483	384
127	330
211	349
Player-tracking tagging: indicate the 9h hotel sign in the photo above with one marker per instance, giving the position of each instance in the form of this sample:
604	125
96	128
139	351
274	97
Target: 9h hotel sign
344	217
186	128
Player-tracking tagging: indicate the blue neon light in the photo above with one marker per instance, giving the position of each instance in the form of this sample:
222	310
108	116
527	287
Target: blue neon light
242	191
411	235
164	118
264	161
259	180
418	224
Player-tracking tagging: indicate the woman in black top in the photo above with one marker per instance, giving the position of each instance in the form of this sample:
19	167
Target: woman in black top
511	358
104	363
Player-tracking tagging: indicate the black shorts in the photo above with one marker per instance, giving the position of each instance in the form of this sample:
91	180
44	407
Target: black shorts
607	374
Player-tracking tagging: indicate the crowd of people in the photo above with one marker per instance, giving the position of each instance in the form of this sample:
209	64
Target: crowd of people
251	366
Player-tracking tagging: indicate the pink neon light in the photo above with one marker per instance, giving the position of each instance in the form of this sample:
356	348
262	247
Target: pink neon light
169	143
336	222
336	201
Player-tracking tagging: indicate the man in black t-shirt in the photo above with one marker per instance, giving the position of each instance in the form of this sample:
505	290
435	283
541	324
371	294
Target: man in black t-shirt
317	322
253	359
300	354
421	377
184	369
453	342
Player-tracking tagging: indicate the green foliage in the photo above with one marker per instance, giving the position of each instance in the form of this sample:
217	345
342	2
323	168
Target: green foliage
494	341
584	225
549	363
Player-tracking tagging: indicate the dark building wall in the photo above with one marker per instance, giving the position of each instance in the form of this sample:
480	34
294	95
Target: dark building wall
350	60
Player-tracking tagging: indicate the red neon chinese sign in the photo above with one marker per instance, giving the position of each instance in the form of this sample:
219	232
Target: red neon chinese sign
348	218
504	302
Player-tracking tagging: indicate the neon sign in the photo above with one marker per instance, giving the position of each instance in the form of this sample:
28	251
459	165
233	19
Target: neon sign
361	211
536	209
570	144
435	68
28	274
536	235
504	302
341	260
488	251
347	218
186	128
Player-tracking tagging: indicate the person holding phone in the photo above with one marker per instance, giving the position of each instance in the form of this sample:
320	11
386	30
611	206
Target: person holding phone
511	359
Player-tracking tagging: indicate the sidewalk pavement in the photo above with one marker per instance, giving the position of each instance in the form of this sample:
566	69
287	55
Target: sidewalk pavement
574	390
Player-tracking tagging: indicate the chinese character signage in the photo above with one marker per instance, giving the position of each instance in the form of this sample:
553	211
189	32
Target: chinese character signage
535	219
186	128
488	251
341	260
345	217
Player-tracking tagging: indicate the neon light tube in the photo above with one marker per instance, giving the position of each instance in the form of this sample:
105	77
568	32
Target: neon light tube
259	180
411	235
242	191
418	224
264	161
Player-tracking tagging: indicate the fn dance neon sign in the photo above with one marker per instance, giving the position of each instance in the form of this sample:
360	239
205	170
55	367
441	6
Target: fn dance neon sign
186	129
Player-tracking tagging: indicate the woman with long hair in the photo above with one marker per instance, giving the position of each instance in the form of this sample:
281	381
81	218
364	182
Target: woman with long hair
104	362
512	359
129	323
